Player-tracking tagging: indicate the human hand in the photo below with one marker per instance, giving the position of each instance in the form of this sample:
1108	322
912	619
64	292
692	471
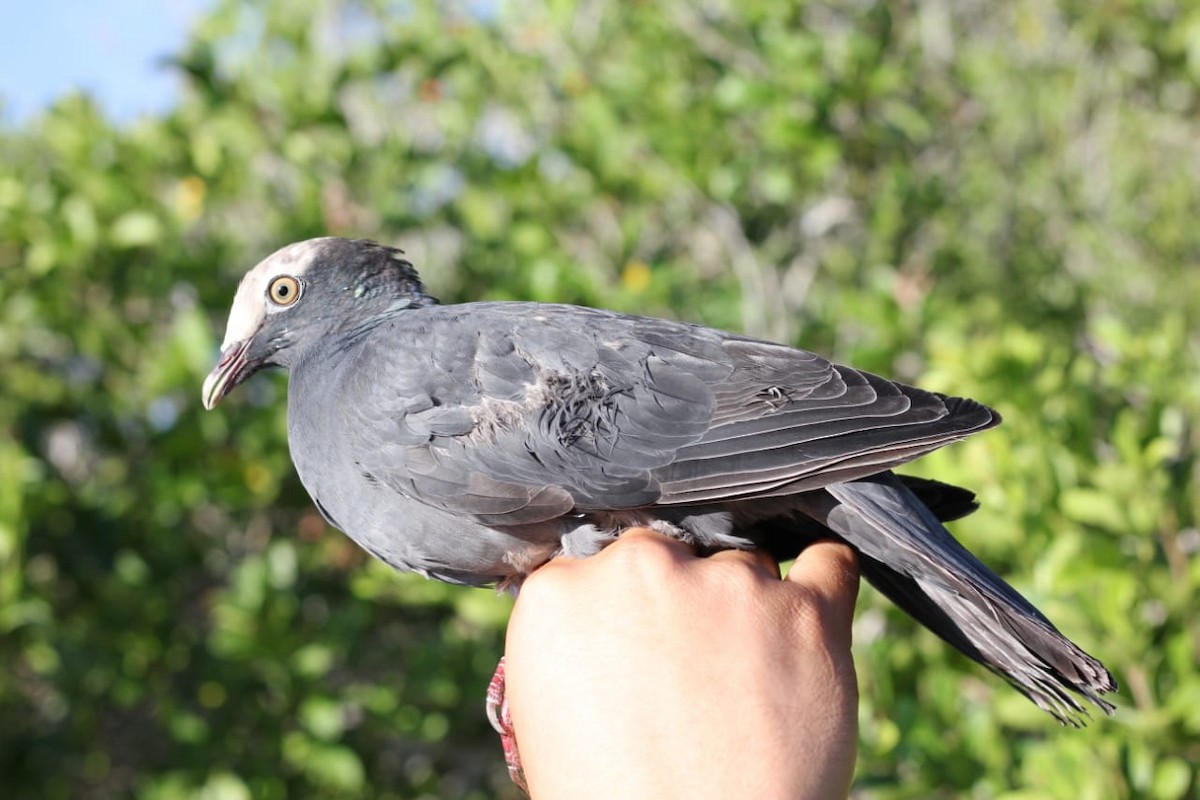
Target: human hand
647	672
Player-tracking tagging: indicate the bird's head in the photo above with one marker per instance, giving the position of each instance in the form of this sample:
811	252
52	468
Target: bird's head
303	292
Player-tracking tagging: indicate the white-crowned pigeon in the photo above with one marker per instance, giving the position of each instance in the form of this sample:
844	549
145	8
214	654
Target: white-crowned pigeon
471	443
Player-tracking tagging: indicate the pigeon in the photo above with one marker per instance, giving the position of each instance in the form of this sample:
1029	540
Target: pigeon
472	443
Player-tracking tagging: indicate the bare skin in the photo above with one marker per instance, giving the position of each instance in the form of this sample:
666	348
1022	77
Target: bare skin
647	672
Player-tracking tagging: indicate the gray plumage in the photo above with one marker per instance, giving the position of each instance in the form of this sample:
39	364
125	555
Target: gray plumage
471	443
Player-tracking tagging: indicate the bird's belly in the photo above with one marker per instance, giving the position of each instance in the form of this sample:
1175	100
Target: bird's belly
414	537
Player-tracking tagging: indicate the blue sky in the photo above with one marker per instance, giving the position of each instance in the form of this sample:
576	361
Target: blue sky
108	47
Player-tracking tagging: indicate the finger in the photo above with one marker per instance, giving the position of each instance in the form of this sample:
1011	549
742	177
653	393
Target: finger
759	560
632	538
647	542
830	570
631	535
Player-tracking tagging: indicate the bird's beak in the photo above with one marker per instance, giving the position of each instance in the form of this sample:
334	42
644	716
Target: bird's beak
228	373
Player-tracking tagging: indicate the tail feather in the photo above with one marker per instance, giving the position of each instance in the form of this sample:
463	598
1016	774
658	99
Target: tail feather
1031	654
913	559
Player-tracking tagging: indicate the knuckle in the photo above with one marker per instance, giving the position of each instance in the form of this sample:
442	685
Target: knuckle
740	575
644	552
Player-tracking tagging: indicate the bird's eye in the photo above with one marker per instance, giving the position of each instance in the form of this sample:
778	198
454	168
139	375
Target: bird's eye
284	290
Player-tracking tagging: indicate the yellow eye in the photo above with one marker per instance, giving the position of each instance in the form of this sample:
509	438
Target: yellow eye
284	290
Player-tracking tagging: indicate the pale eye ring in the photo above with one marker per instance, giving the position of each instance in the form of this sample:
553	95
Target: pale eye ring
284	290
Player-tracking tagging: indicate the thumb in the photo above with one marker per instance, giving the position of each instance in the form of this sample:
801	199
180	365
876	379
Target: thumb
829	569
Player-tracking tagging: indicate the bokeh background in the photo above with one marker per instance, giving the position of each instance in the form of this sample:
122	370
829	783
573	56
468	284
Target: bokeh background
993	199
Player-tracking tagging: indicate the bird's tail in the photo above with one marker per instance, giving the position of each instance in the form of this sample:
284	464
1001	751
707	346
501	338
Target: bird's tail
910	557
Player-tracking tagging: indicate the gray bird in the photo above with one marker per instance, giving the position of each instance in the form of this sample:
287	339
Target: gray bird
472	443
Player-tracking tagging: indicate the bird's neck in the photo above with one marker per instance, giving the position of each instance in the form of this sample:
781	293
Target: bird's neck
369	317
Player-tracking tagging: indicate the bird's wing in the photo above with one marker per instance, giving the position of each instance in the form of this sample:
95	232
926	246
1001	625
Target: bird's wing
519	413
772	435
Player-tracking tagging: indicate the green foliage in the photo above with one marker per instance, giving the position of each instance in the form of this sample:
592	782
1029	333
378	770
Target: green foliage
996	201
